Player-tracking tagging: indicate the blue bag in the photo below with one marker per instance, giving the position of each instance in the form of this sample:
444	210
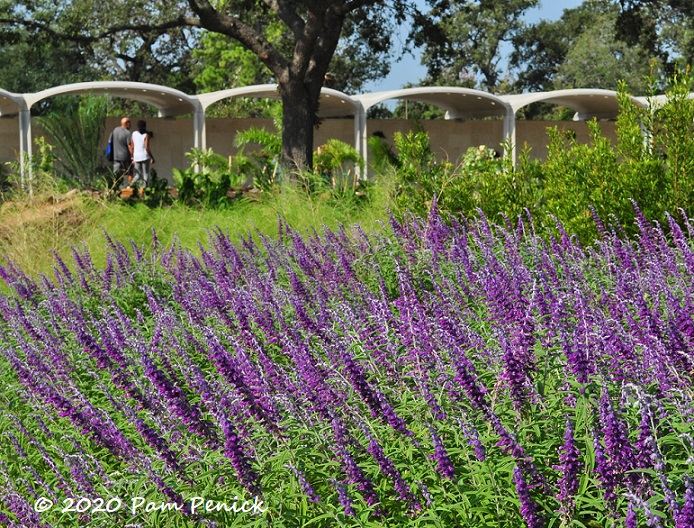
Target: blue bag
109	149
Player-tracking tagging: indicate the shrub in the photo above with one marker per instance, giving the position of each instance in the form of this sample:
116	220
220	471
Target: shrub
421	178
208	180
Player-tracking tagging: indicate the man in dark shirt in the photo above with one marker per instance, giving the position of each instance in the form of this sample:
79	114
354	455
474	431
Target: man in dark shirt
122	153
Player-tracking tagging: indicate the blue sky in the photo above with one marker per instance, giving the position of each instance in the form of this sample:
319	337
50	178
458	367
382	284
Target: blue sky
409	68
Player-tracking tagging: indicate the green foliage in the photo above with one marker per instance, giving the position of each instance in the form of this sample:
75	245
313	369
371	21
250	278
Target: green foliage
270	142
480	180
224	63
463	41
336	156
263	163
381	154
76	131
421	178
611	59
554	54
673	137
37	177
651	164
209	179
578	176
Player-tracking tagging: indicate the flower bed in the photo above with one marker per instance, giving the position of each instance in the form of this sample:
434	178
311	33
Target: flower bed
439	375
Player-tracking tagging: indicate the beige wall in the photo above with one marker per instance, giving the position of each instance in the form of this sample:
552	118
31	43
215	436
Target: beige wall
449	139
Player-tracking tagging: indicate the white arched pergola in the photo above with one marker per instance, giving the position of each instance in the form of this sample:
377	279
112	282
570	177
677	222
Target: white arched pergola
332	103
459	103
169	102
588	103
14	104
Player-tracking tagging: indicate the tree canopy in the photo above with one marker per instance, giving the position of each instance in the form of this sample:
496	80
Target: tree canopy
304	45
580	50
463	40
300	63
664	27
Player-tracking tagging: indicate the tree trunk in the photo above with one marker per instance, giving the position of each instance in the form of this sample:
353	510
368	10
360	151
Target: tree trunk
298	121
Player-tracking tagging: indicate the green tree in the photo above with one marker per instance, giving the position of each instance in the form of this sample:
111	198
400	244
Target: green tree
49	44
223	63
664	27
33	61
597	59
462	40
580	50
313	30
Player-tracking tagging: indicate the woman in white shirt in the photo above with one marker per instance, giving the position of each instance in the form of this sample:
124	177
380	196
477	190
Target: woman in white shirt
142	155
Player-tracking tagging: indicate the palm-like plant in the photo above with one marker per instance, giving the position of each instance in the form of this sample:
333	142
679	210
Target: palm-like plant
267	158
76	131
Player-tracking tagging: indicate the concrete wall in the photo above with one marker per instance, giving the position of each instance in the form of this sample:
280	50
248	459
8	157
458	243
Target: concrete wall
449	139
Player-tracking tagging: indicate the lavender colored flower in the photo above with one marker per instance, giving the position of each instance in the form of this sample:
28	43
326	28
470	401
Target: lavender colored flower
428	498
606	473
234	452
443	461
228	366
388	467
343	496
528	507
354	473
304	483
652	519
685	517
618	448
630	520
472	435
19	450
569	468
375	399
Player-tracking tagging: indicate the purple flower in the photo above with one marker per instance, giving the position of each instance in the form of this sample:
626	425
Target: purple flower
606	473
528	507
176	400
685	517
569	467
354	473
443	461
618	449
304	483
241	463
343	496
630	521
473	439
386	465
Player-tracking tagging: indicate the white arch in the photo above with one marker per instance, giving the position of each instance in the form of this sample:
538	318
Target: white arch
331	103
459	103
587	102
13	104
168	101
10	103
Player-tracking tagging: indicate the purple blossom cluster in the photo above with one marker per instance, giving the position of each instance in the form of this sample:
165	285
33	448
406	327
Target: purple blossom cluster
398	368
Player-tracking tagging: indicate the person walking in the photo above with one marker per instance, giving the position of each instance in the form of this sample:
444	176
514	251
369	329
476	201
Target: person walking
122	153
142	155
